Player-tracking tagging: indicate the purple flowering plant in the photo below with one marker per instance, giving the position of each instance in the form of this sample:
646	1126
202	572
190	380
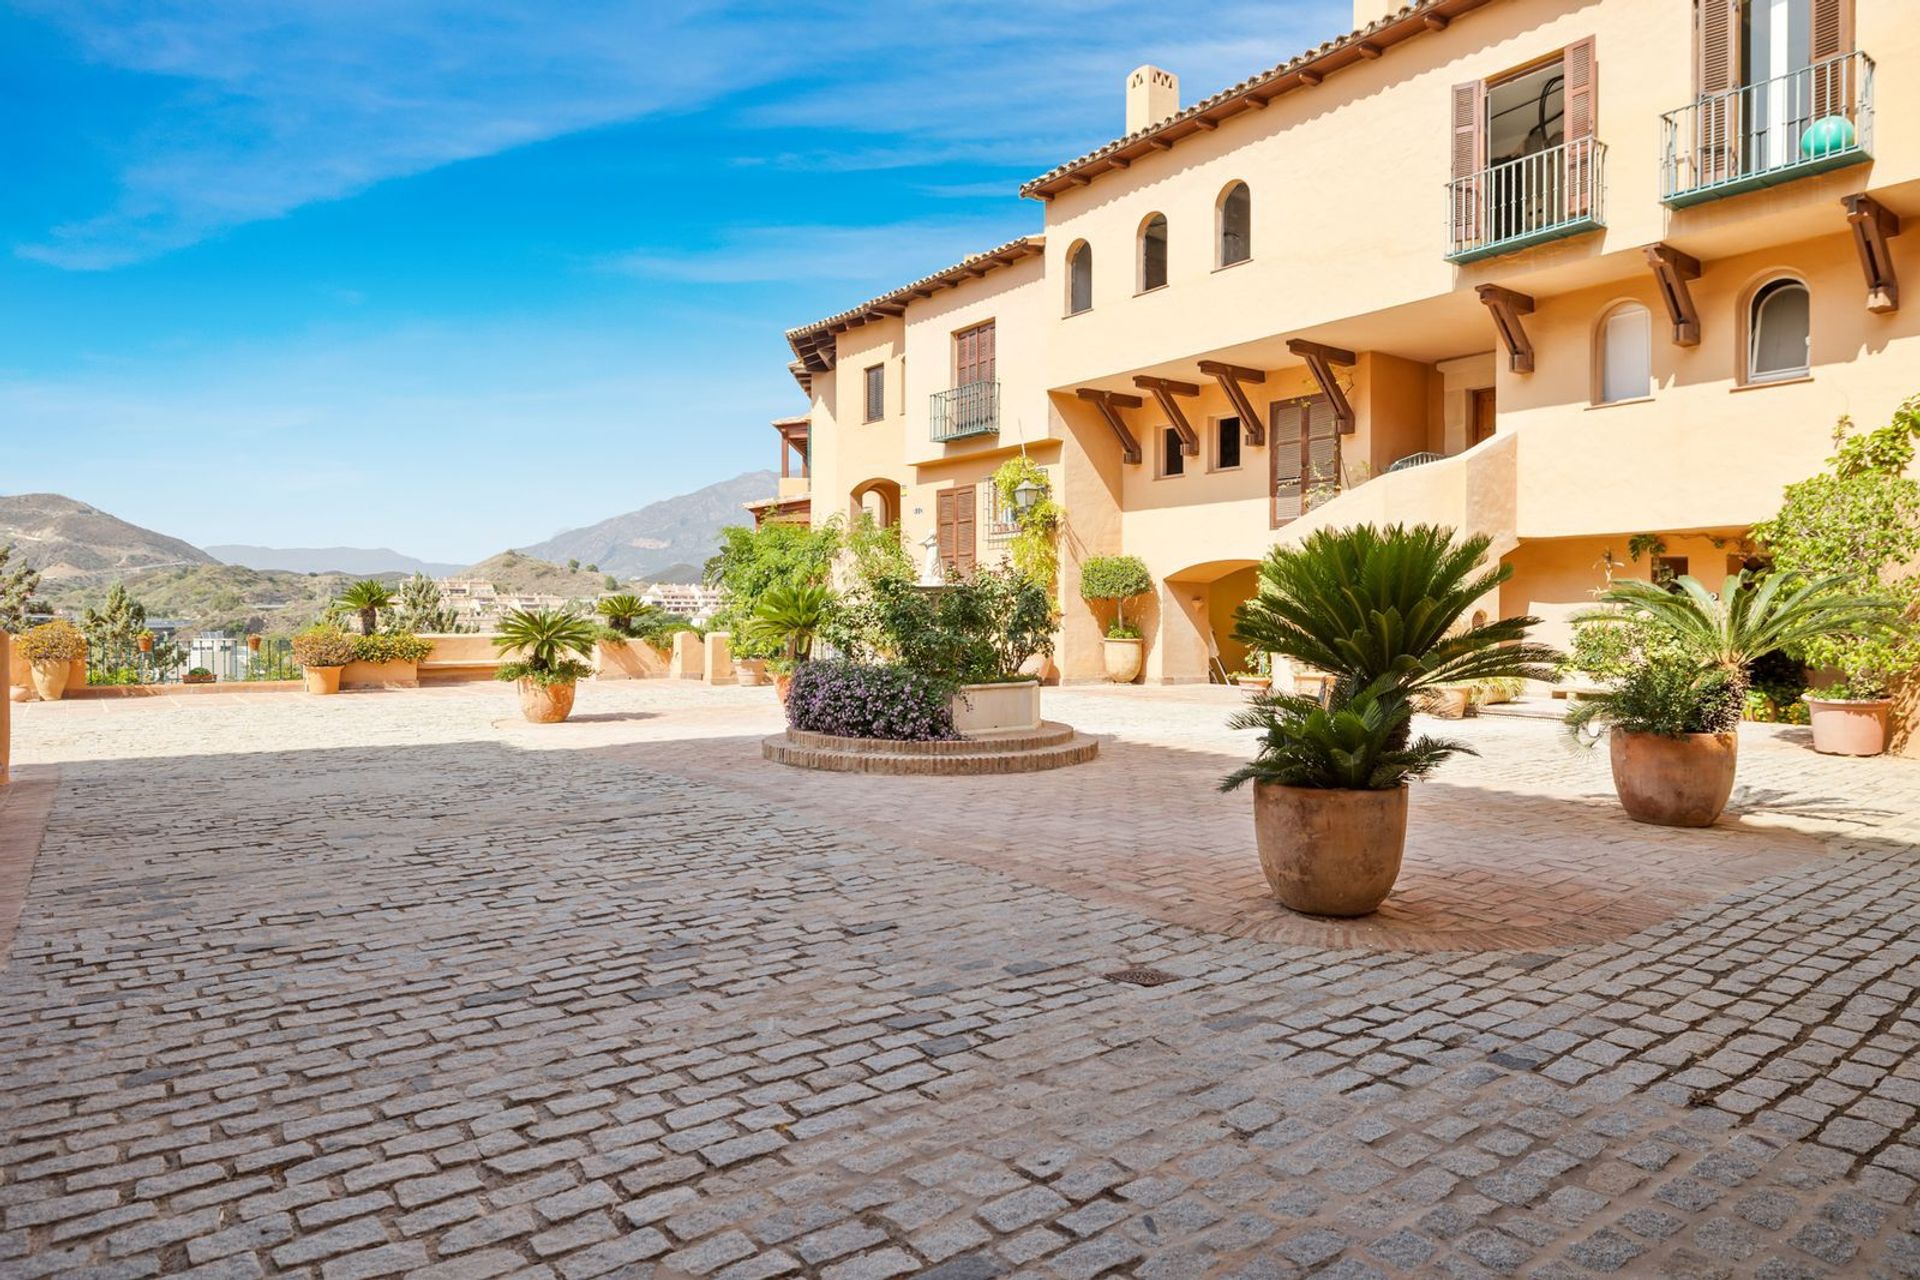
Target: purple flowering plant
870	700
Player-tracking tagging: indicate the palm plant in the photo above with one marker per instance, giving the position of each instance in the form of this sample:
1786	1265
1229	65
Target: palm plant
368	597
1748	619
549	642
1381	610
789	617
621	611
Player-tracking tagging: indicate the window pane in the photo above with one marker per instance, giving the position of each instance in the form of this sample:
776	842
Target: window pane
1080	280
1780	328
1627	350
1236	218
1173	462
1229	450
1153	253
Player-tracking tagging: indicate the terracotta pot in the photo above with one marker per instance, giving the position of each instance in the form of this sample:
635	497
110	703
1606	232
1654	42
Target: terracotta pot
1123	660
782	683
1848	728
752	671
545	703
1330	853
145	643
1674	782
50	679
1259	684
321	680
1450	704
253	641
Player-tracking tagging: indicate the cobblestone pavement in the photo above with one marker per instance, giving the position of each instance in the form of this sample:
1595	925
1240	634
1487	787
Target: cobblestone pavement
393	984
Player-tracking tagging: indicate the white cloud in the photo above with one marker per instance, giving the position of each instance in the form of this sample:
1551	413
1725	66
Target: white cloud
283	105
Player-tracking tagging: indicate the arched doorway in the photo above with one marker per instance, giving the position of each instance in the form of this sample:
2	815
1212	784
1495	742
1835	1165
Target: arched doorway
1196	620
877	498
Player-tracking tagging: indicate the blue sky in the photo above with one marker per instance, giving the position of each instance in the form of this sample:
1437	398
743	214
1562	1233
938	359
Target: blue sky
450	277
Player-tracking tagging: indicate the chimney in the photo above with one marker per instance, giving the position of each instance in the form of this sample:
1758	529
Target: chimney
1368	12
1153	95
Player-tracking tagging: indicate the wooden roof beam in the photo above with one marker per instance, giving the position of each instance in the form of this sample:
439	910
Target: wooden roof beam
1672	270
1507	307
1873	225
1369	50
1230	376
1164	390
1320	360
1110	403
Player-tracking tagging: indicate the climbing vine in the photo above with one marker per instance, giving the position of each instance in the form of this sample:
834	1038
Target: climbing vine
1035	549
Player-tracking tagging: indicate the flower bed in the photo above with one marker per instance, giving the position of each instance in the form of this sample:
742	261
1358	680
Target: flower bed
861	700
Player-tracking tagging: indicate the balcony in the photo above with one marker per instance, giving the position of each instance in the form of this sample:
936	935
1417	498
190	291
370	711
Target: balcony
1554	193
1807	121
970	409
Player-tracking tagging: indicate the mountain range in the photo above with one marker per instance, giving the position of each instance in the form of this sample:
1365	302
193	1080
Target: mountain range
71	543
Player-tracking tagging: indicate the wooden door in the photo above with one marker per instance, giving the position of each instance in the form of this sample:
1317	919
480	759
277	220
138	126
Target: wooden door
954	521
1480	416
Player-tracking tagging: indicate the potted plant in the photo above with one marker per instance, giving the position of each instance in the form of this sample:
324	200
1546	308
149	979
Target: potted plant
633	637
550	644
1674	716
1857	522
322	651
144	641
368	597
1380	611
1257	675
253	641
1117	579
788	618
50	650
197	675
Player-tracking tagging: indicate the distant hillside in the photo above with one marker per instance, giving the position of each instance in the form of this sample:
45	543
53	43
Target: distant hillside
220	597
69	541
360	560
516	571
658	542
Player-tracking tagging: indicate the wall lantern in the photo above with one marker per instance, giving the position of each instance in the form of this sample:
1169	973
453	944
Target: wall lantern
1026	496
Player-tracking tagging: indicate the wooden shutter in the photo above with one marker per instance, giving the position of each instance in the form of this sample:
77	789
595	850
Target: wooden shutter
1283	448
1831	34
1319	452
1581	73
984	359
963	530
1717	73
964	348
1469	158
944	525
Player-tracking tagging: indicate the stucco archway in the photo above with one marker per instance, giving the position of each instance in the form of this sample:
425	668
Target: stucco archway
1197	605
877	498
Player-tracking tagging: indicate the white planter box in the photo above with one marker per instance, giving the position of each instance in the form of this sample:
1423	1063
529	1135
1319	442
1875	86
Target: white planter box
997	708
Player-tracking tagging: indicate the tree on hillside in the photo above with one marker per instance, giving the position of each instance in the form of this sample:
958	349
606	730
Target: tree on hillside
17	586
117	624
422	609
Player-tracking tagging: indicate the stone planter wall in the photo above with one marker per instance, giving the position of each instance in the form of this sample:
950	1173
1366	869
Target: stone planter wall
627	660
997	708
398	674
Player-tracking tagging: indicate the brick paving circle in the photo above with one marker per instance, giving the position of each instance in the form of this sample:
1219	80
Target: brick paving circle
394	984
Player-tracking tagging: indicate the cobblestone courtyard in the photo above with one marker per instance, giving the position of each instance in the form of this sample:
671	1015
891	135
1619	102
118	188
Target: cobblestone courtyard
395	984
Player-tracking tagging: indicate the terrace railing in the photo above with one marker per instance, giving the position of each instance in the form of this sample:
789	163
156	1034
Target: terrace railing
1560	191
228	659
1817	118
970	409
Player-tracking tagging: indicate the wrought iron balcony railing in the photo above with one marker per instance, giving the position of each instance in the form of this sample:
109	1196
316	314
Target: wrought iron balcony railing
1807	121
1560	191
970	409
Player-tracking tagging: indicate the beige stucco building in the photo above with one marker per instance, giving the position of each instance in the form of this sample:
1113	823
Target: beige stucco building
1593	277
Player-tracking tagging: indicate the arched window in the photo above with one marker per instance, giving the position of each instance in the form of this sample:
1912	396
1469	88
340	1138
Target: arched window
1079	278
1153	252
1625	357
1779	322
1236	224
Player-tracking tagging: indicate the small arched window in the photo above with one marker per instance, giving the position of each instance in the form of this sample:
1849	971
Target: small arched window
1626	354
1779	327
1236	224
1153	252
1079	278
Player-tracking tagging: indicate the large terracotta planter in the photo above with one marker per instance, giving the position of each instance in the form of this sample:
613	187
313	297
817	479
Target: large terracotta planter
321	680
752	671
1123	660
1330	853
782	685
1007	707
50	679
1674	782
1451	703
1848	728
545	703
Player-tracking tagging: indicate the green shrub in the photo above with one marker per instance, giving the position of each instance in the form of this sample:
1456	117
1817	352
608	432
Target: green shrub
325	646
55	641
1668	697
976	631
391	646
754	561
1359	745
1117	579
